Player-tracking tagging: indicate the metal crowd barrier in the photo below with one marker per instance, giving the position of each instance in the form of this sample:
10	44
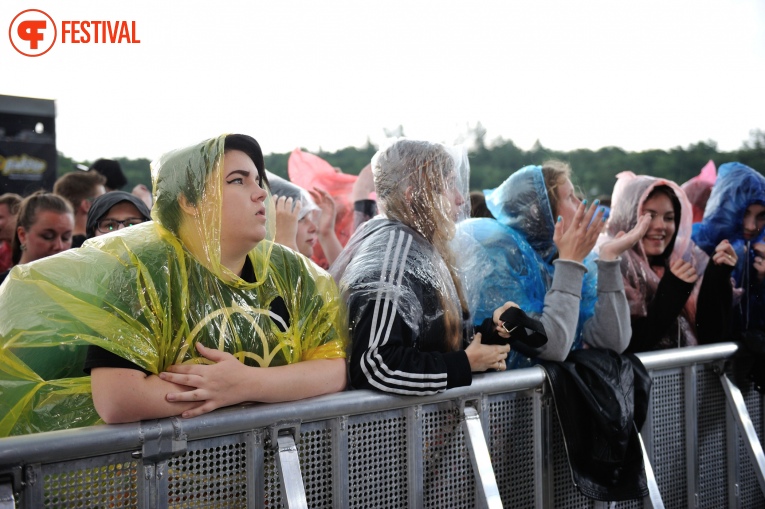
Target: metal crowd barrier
494	444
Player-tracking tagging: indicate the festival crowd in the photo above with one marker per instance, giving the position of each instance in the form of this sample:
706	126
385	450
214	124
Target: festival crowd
228	284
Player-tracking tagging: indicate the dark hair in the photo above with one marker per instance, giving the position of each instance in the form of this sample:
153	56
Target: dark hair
78	186
192	181
249	146
39	201
478	206
112	170
669	193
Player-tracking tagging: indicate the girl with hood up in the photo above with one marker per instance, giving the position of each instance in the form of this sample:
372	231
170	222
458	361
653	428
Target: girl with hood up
736	211
399	275
193	311
113	211
545	266
671	304
304	218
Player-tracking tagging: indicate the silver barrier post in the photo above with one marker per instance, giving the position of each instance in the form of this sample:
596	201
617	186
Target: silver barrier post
737	406
6	497
479	455
283	437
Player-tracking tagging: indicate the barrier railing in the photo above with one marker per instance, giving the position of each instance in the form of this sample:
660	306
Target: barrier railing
363	449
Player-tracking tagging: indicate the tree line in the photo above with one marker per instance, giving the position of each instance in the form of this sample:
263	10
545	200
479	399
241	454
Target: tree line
491	163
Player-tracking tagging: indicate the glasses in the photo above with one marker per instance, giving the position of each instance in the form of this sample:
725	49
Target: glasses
110	225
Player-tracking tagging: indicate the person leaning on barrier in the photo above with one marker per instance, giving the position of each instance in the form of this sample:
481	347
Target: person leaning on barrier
545	265
671	304
113	211
195	310
399	276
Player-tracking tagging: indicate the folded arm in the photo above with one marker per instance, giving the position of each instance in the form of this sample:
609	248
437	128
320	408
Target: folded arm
125	395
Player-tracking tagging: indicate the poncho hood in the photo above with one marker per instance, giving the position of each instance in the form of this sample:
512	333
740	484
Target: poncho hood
101	206
640	280
737	187
521	202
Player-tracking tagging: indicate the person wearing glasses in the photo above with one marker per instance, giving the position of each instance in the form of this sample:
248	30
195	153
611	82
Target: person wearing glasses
113	211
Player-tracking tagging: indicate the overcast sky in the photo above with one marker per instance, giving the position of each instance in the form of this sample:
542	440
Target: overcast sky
573	74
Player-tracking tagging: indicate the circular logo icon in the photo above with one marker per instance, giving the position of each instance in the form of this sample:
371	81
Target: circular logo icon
32	33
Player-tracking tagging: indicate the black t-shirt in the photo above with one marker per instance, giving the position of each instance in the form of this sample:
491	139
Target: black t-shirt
101	358
78	240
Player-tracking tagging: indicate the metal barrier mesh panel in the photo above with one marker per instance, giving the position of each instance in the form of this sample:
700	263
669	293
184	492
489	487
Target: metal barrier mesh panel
108	481
377	460
669	462
448	479
749	488
212	473
712	432
628	504
565	494
511	445
315	453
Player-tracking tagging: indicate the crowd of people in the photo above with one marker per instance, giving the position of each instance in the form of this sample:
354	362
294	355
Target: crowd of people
118	307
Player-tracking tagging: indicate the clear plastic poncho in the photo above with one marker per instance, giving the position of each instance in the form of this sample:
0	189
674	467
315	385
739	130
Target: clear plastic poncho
141	294
421	189
640	281
737	187
283	187
510	257
308	171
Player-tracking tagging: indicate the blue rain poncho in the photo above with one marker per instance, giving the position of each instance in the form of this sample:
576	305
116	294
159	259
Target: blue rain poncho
511	257
737	187
150	292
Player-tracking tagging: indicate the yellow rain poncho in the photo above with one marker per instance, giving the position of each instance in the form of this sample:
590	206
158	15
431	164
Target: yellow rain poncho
141	294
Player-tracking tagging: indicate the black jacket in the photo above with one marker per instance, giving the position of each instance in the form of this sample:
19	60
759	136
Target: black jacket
602	398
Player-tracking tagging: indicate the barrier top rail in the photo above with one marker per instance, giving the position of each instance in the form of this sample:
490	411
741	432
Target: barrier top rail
108	439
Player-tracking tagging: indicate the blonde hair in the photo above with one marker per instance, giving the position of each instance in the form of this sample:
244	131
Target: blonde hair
555	173
411	180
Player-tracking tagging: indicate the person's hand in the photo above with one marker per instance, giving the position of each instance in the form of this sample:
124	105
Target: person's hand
215	385
575	241
326	204
613	248
499	326
287	215
725	254
483	357
684	271
759	260
364	185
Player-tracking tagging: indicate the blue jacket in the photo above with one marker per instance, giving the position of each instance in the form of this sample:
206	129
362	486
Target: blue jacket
511	256
737	187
